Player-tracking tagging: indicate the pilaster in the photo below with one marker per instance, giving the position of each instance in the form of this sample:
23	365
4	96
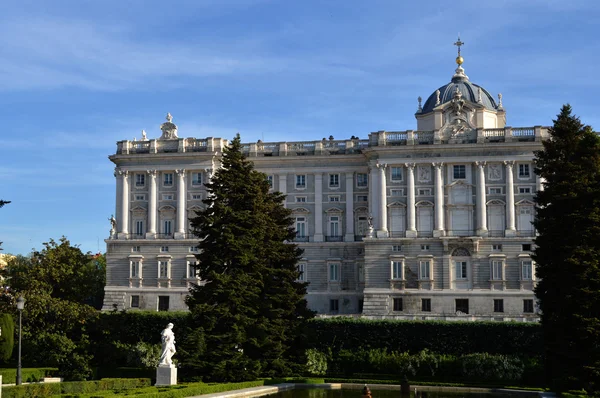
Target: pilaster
318	207
411	230
510	199
181	200
349	207
480	203
151	234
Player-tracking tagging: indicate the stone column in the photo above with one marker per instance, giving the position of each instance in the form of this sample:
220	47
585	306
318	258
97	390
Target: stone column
411	230
151	234
439	200
181	200
124	216
283	187
382	231
318	237
118	200
373	200
510	199
480	203
349	207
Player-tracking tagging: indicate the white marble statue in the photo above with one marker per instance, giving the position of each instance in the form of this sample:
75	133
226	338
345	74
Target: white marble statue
113	226
168	346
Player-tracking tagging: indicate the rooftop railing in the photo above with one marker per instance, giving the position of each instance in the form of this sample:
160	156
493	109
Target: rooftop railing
334	147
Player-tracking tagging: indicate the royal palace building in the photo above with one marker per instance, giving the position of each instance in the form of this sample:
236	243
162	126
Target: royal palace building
432	223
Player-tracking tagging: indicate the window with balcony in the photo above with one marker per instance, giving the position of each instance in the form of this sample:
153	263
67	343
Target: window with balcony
425	269
301	228
139	228
397	268
497	270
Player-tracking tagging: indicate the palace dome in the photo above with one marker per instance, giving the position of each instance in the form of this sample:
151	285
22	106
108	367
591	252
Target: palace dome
470	92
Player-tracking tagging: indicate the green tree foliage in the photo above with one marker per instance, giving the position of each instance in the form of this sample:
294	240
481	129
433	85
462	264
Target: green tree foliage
7	339
568	253
251	307
56	282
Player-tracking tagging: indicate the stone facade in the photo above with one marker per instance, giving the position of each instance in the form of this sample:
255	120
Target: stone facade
433	223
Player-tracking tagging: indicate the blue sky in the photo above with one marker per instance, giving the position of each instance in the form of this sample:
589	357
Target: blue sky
77	76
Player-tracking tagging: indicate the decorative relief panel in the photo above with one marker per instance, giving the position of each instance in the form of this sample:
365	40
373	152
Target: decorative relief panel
494	172
424	173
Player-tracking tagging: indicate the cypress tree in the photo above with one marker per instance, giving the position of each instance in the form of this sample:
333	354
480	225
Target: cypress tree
250	307
568	253
7	339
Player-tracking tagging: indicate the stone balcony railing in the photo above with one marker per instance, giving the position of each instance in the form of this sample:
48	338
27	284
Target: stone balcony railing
415	137
334	147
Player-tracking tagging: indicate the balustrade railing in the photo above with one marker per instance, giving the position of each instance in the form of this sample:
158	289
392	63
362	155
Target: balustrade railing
140	147
398	234
424	234
334	239
195	145
523	132
396	138
496	233
424	137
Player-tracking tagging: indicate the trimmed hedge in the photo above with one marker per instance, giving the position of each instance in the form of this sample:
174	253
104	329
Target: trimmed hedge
455	338
72	388
9	375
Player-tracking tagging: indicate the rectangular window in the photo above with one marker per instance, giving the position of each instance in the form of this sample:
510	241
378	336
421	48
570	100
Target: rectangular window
526	270
300	227
528	306
524	171
426	305
524	190
462	305
526	247
163	303
135	301
334	226
498	305
196	196
334	180
362	198
163	269
396	269
192	271
396	248
334	272
398	304
167	227
196	178
362	180
135	249
396	174
301	181
193	249
139	227
424	248
460	171
424	268
168	179
140	180
302	272
300	199
167	197
164	249
396	192
424	192
334	198
270	181
361	303
496	248
461	269
135	269
497	270
140	197
334	305
495	190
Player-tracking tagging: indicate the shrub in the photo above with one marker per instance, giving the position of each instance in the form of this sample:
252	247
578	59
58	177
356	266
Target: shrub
316	362
7	339
491	367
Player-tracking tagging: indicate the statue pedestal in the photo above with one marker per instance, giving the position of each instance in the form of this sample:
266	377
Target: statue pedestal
166	376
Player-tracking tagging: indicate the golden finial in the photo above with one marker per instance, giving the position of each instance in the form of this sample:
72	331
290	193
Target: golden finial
459	59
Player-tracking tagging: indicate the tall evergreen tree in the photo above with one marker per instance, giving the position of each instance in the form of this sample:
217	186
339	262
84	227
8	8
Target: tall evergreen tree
250	307
568	253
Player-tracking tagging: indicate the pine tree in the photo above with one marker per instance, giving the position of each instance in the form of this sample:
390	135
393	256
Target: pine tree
568	253
250	307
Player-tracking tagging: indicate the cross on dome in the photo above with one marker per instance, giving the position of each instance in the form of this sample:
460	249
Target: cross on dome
459	43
